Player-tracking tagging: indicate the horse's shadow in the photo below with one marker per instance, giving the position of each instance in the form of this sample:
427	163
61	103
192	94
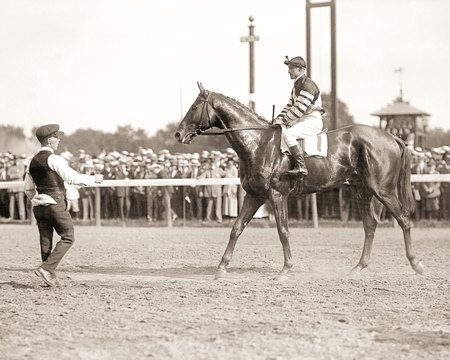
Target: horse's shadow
193	272
87	273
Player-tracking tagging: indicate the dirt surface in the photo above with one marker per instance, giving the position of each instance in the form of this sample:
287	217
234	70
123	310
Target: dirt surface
149	293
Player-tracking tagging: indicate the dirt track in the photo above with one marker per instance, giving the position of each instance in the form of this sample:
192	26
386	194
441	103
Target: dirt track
143	293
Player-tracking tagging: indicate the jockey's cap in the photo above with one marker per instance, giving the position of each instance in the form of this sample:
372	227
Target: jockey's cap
296	61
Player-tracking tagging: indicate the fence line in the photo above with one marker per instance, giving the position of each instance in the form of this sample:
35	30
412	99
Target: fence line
200	182
143	182
18	185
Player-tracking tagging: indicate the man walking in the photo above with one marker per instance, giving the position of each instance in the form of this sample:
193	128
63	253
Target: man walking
44	186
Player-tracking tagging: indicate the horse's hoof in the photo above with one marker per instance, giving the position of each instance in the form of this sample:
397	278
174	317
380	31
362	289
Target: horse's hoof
418	268
220	273
355	272
281	278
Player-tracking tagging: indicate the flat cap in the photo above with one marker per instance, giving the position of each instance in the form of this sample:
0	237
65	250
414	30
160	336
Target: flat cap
296	61
48	130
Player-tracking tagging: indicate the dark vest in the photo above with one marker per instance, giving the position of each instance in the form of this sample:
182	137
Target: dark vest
47	181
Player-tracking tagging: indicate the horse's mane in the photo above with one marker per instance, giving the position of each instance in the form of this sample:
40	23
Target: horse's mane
245	108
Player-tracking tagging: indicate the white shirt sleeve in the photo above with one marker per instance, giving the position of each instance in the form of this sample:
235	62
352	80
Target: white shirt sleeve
69	175
29	186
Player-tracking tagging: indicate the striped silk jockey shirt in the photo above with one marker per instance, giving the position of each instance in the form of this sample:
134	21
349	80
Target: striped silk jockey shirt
305	98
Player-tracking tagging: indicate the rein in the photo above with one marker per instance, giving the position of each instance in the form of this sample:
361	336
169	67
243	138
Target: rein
222	132
199	131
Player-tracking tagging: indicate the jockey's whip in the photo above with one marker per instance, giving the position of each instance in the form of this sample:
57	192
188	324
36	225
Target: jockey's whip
273	113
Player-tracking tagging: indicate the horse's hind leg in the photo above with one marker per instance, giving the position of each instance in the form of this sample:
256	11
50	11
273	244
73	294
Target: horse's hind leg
364	199
249	207
404	220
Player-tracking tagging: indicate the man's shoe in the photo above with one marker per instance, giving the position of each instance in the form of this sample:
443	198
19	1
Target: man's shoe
46	276
54	279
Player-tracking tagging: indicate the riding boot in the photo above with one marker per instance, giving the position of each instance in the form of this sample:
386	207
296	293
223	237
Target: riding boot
300	168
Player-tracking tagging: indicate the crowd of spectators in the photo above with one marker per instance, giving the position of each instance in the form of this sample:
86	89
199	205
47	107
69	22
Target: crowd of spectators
199	203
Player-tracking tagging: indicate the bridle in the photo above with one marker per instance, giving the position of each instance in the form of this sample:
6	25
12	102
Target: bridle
199	131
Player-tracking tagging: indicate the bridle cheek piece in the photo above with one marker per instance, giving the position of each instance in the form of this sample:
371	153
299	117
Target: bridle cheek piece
199	130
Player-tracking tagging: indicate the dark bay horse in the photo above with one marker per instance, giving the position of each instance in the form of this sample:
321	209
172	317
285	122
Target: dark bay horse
374	162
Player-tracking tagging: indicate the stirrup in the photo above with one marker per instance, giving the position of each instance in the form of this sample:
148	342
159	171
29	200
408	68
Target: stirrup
297	171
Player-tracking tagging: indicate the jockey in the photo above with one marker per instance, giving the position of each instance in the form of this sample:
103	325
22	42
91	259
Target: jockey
303	113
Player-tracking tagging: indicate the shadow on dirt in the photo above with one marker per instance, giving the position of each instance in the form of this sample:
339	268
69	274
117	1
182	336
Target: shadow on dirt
174	272
418	339
16	285
89	274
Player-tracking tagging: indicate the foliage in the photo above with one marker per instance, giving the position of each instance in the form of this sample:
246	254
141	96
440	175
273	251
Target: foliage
12	131
437	137
12	138
344	117
92	141
95	141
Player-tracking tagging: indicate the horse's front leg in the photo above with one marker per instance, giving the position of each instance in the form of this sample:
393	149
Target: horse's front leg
280	209
249	207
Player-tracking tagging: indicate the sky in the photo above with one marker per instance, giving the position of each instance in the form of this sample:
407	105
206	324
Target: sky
101	64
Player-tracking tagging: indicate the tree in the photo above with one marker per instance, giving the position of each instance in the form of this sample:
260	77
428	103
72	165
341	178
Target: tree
95	141
437	137
12	139
344	117
92	141
129	139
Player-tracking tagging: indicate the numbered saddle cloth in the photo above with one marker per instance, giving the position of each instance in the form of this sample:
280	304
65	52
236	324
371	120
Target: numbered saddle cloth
314	145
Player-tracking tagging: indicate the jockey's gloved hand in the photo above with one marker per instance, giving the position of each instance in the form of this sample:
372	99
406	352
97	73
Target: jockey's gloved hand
278	121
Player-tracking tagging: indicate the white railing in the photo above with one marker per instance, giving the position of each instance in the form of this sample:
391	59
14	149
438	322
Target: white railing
199	182
194	182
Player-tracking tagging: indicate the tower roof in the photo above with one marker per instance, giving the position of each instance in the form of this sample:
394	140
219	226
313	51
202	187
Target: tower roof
399	107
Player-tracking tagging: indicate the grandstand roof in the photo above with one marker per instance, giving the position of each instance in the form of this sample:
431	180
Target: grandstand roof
399	107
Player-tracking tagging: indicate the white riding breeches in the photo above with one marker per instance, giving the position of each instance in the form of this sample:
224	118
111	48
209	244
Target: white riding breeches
311	124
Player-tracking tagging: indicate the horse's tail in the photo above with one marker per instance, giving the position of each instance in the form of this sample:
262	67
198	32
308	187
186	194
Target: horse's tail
404	188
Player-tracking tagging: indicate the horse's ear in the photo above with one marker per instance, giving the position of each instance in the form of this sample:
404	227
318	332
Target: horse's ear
200	86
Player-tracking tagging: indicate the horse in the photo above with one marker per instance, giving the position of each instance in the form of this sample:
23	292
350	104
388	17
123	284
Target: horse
376	164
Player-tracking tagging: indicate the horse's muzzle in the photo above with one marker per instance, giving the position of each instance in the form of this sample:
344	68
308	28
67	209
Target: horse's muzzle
185	139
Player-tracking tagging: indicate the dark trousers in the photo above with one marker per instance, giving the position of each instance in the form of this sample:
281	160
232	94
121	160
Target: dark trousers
124	205
49	218
151	199
196	205
445	202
